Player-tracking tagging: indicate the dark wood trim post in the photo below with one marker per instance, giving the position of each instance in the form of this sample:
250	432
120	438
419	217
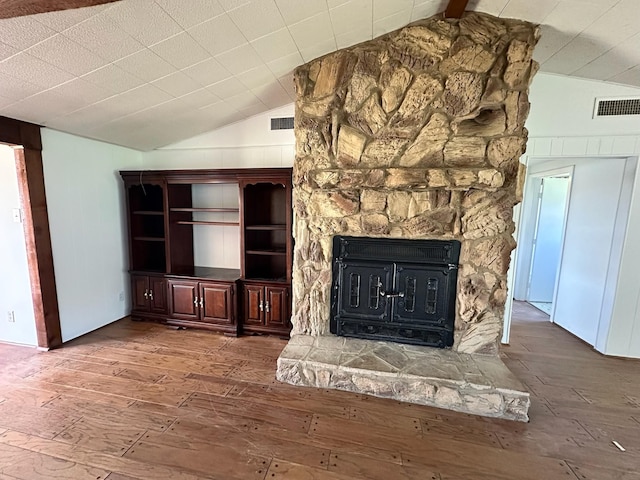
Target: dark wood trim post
26	140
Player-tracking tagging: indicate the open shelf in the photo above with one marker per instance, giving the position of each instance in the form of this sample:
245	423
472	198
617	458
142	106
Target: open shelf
267	252
196	222
266	227
194	209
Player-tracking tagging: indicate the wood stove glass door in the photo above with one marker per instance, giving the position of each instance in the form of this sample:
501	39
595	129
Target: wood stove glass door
361	287
423	294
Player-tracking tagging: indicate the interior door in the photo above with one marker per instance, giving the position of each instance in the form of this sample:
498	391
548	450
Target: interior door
361	287
548	238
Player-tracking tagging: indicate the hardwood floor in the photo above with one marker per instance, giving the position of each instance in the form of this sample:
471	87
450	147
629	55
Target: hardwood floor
142	401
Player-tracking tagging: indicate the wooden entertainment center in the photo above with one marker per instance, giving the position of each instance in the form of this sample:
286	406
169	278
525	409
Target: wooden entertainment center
165	206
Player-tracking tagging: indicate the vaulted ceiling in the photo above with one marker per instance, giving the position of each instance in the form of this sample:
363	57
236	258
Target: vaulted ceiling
147	73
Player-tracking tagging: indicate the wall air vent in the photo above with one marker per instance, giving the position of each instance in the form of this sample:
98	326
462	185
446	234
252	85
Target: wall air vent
612	107
282	123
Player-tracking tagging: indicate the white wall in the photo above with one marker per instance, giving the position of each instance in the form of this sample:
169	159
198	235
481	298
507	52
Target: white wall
15	286
563	107
85	200
561	126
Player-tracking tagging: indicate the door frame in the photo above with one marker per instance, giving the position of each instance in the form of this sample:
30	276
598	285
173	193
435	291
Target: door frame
26	142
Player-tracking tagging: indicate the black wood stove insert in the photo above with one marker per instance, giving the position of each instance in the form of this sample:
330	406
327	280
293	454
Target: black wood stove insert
394	289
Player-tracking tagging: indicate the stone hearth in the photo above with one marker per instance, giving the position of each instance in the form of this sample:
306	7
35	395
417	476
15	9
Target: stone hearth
477	384
415	135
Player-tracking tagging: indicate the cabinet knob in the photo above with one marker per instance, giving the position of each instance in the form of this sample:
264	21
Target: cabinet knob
266	307
146	293
150	294
261	306
201	302
195	302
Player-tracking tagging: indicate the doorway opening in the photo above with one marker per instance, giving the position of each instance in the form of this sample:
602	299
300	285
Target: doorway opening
548	239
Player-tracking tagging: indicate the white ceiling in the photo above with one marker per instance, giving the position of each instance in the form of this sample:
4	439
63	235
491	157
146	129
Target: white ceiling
147	73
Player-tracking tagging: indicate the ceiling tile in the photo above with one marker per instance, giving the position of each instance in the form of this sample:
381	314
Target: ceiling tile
6	51
230	5
113	79
23	32
391	23
134	100
189	14
226	88
84	119
43	106
385	8
177	84
353	37
218	35
289	86
258	18
257	77
629	77
243	100
522	9
82	90
427	9
494	7
63	19
335	3
573	16
342	17
613	62
199	98
239	59
146	65
207	72
67	54
181	50
16	89
102	36
275	45
144	20
5	102
284	65
575	55
294	10
620	22
273	95
551	42
318	49
312	31
31	69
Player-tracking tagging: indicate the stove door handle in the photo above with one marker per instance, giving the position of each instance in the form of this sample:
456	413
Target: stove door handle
390	295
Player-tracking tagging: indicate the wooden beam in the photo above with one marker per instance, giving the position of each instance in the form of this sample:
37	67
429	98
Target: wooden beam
456	8
20	8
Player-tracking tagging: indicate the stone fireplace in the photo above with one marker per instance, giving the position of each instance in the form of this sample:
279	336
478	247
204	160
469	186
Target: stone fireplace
413	135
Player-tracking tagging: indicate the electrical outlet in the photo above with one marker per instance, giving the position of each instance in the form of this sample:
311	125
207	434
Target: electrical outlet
11	316
121	297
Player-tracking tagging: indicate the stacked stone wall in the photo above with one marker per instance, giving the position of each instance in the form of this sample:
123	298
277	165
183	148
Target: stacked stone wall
416	134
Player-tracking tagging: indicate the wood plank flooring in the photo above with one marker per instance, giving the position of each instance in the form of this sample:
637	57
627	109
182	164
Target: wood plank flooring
136	401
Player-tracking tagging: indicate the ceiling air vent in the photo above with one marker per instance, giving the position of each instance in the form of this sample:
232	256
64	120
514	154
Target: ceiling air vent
282	123
612	107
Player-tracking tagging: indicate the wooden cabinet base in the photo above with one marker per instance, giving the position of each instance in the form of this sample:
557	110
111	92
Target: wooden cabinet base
229	330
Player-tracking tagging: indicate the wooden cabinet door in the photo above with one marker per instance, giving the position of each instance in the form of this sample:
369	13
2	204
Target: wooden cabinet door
183	300
158	295
217	303
276	306
253	304
139	293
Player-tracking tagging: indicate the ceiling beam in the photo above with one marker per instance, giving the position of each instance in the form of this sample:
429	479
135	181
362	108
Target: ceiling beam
19	8
455	9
